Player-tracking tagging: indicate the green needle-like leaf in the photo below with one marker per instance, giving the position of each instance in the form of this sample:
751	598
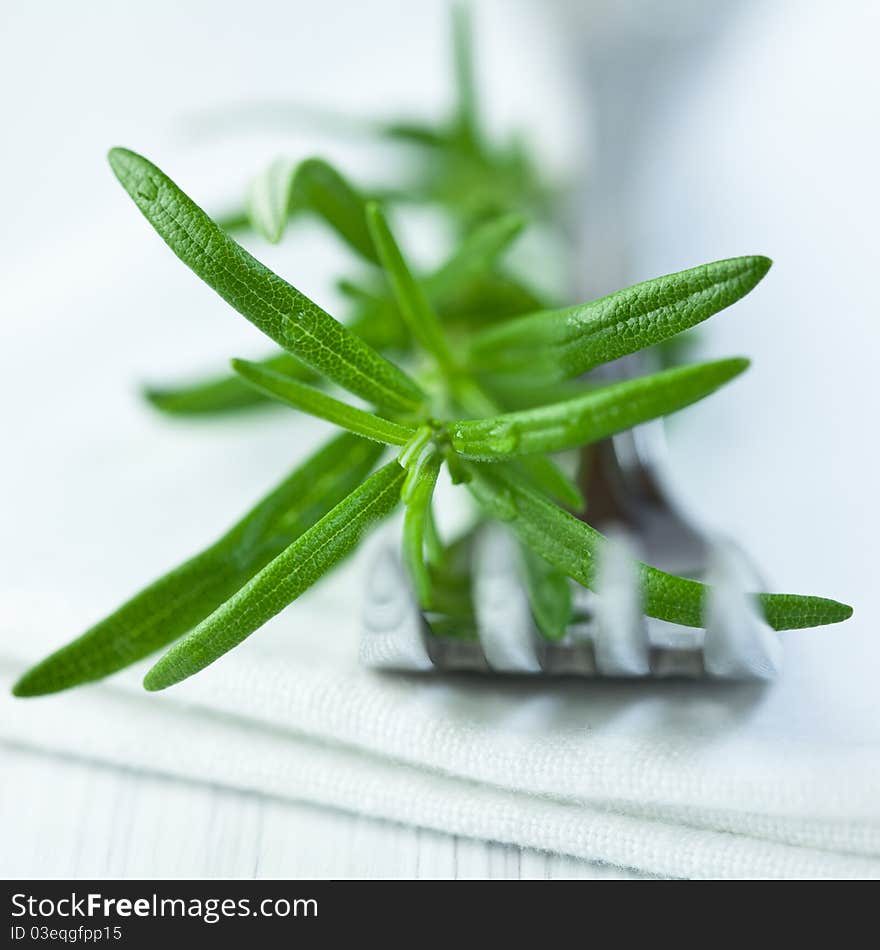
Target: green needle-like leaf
592	416
175	603
414	133
218	394
549	595
310	400
278	309
559	344
322	189
270	199
411	298
282	580
417	494
544	474
517	394
466	119
573	547
224	393
313	185
485	300
476	254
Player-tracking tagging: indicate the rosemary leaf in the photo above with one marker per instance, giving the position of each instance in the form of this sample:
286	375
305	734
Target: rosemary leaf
413	133
466	113
278	309
549	595
417	495
310	400
411	298
270	198
223	393
219	394
572	547
592	416
483	300
313	185
544	474
322	189
176	602
476	254
282	580
559	344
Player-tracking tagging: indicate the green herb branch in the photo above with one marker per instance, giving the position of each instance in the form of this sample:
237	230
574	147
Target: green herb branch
464	367
226	593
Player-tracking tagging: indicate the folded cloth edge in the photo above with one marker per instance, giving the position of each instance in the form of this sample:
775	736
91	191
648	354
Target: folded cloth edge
198	745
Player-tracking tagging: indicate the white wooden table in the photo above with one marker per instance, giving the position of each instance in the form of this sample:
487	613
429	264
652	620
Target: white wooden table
69	819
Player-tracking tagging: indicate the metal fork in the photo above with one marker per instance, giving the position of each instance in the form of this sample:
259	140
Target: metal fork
608	636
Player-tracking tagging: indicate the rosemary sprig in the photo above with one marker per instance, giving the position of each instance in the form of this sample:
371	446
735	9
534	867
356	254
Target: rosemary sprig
464	367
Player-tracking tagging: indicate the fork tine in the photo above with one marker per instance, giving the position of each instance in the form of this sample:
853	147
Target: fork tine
739	643
393	634
621	636
505	626
609	636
